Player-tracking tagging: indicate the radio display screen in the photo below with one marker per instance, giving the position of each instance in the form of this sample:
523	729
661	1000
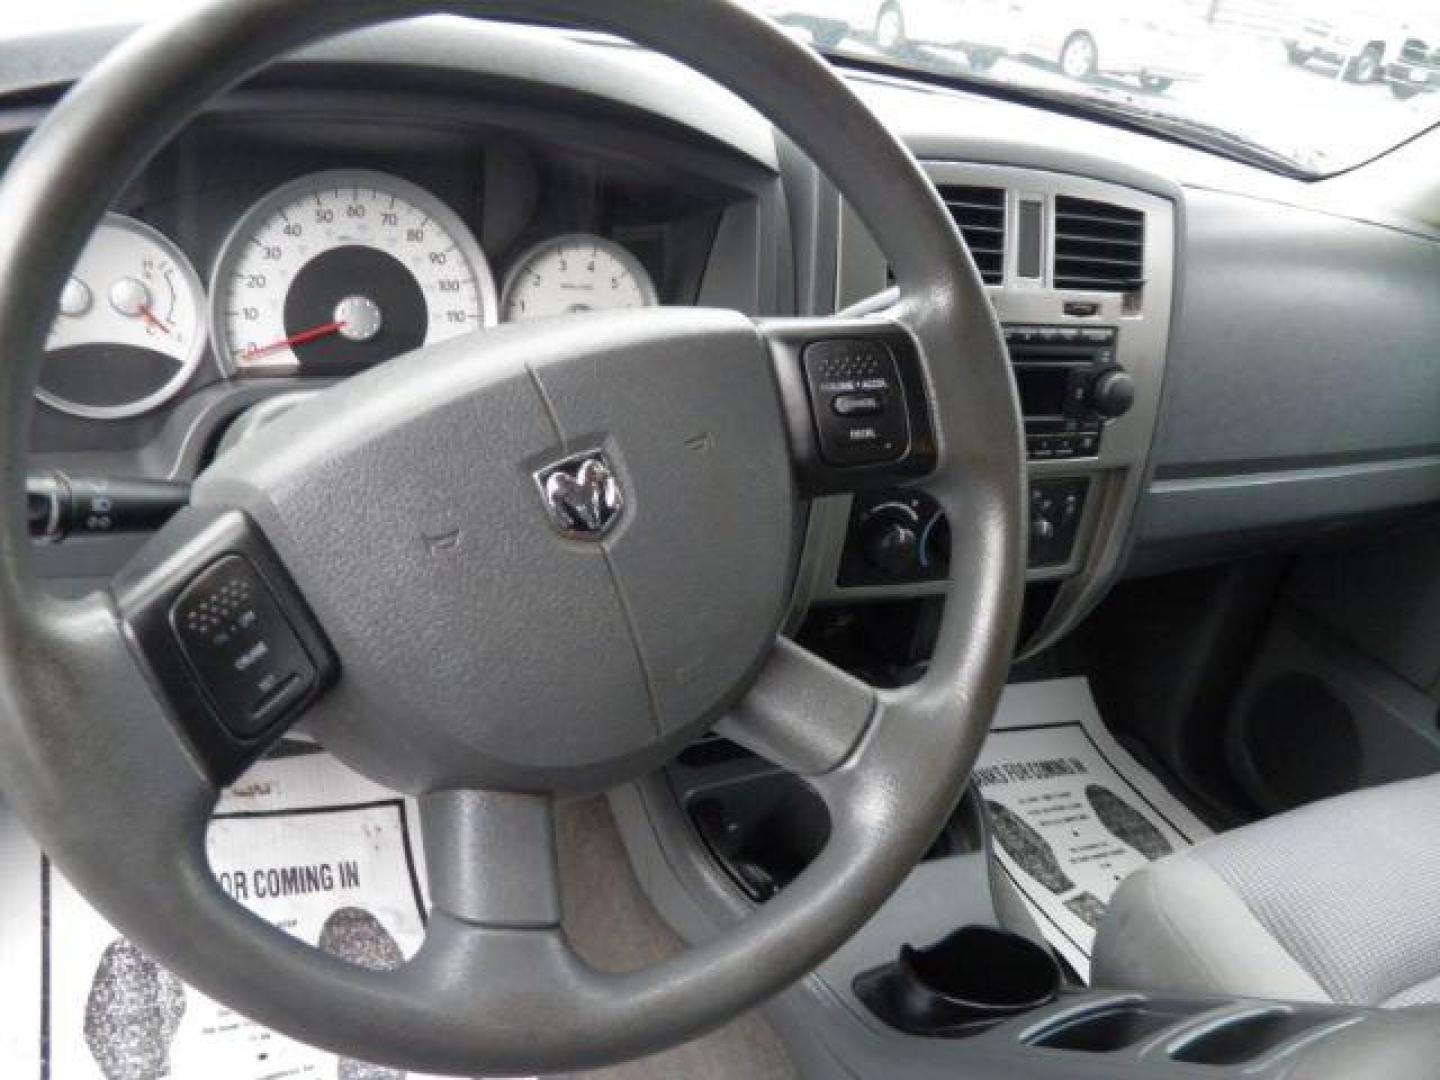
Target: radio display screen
1042	390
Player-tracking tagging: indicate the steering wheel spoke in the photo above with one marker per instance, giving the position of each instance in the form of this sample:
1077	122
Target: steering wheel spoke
490	858
802	713
856	400
223	636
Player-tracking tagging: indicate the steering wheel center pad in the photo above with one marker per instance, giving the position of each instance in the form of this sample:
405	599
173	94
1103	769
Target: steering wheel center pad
486	641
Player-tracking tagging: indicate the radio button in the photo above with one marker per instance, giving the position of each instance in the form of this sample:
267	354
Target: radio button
1111	392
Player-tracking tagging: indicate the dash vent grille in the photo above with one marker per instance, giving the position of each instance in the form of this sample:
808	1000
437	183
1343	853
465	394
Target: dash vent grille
1098	246
980	214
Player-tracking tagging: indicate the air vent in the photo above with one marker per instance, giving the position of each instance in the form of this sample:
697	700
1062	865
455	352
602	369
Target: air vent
980	213
1098	247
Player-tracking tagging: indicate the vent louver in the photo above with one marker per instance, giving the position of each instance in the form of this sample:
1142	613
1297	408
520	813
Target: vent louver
980	213
1098	246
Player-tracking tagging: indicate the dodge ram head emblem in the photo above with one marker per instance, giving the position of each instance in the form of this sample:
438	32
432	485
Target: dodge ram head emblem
581	495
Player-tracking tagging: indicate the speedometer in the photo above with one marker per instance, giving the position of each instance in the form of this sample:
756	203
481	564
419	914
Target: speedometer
341	270
575	273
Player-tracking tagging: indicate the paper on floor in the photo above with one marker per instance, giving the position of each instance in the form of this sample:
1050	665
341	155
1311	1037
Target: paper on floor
301	841
1072	813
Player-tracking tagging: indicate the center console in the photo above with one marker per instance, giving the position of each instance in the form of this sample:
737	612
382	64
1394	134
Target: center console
932	985
1081	275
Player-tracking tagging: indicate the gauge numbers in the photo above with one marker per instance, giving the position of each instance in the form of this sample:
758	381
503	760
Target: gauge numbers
341	270
130	328
572	274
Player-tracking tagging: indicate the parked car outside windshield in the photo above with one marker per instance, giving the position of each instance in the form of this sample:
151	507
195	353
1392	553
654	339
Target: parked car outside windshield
1316	85
1312	87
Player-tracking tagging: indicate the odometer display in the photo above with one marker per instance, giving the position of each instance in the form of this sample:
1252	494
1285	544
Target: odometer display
338	271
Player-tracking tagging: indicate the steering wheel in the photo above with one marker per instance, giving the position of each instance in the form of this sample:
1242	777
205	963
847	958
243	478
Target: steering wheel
514	567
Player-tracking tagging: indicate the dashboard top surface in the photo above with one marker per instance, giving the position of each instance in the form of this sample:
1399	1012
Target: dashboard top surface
938	121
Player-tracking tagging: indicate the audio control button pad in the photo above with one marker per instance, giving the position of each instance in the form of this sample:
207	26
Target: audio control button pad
855	401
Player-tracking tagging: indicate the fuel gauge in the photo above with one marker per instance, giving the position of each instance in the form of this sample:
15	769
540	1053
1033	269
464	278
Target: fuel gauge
130	328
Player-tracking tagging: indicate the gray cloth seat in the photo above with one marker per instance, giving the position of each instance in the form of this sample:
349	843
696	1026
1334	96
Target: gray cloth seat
1333	902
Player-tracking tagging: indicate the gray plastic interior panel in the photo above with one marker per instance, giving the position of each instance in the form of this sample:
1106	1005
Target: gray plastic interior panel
1351	721
1302	387
1118	474
1304	339
1382	598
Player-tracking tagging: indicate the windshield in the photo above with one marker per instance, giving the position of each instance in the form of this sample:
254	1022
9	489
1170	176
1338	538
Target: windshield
1308	86
1313	86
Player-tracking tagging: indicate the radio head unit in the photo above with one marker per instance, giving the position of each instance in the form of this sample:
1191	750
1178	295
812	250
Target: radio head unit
1069	385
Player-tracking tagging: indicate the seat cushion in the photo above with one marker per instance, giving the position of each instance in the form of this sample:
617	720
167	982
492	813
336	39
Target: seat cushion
1330	902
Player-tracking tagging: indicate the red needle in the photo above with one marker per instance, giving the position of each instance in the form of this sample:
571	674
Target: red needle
301	338
150	319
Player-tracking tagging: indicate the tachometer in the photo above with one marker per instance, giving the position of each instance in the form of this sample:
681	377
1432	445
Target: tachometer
130	329
340	270
575	273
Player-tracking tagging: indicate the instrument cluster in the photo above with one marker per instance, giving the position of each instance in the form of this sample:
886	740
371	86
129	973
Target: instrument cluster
326	275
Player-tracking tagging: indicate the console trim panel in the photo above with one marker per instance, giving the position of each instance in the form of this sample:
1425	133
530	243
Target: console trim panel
1118	473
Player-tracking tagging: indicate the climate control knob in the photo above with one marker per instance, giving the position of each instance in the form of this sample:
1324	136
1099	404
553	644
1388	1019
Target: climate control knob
890	541
1111	391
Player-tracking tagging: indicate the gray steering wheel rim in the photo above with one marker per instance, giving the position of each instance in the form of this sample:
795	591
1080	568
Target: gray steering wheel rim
64	664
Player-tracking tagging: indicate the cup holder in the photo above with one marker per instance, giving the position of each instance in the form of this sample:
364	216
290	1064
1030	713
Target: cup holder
763	830
1114	1027
1240	1040
967	981
766	827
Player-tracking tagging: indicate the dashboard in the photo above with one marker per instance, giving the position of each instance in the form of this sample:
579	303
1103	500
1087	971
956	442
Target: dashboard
1080	273
326	275
276	245
1213	360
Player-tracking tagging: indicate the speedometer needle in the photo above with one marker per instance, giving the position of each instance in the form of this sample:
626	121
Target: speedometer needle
314	333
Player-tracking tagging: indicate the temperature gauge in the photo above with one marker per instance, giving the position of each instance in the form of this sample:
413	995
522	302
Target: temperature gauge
130	329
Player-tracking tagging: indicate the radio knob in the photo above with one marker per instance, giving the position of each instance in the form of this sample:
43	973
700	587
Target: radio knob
890	543
1111	392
